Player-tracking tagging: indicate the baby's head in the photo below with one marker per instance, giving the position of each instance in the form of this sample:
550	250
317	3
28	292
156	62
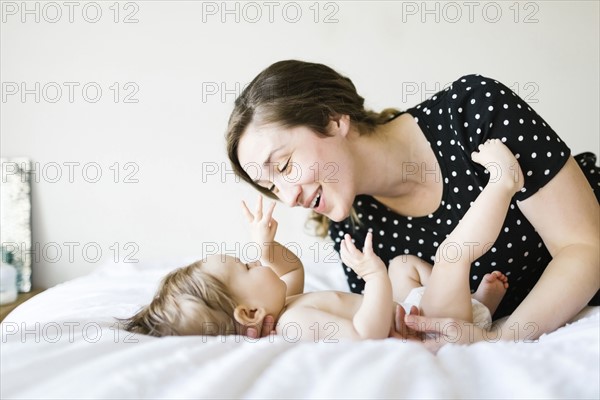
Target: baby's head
215	296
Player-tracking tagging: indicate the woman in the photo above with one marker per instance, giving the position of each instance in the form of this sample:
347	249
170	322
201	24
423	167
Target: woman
300	133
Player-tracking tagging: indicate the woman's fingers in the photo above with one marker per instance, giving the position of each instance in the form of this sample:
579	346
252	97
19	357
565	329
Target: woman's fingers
268	326
429	325
399	319
422	324
414	310
399	329
252	333
446	330
401	326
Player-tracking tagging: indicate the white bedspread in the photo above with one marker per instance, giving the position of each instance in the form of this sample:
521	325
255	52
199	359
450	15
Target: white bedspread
63	344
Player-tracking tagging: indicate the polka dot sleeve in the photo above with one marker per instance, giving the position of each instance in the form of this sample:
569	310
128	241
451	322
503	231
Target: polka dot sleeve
484	108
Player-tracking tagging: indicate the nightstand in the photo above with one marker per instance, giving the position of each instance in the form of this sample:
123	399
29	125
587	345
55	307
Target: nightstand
6	308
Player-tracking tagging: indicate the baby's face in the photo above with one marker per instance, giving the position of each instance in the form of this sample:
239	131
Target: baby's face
252	284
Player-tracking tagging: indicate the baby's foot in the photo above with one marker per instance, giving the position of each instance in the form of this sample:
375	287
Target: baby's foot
501	164
491	290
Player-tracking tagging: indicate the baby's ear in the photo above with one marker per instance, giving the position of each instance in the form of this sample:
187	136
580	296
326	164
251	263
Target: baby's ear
247	316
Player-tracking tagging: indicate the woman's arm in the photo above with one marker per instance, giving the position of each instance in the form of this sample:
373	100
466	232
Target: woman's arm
566	215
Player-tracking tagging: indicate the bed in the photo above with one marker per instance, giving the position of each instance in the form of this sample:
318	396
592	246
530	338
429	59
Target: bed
64	343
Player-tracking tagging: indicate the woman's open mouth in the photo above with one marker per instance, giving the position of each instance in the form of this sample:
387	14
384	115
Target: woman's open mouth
317	200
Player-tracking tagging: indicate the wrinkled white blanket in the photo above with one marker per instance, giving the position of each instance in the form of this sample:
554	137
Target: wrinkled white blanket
64	343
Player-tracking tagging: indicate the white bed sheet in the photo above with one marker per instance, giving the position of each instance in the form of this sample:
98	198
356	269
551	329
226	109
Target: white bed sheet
63	344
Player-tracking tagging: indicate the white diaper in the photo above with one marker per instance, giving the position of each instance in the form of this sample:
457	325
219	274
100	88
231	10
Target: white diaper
481	314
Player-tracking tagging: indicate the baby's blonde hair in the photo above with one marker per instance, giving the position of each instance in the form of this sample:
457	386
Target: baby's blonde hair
189	301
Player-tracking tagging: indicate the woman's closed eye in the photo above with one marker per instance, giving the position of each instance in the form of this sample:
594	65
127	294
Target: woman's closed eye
287	167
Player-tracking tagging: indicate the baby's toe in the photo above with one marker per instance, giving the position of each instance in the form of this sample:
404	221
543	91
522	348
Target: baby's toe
489	277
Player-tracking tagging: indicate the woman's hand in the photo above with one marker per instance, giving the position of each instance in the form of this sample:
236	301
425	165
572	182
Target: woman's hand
268	328
262	226
399	329
448	331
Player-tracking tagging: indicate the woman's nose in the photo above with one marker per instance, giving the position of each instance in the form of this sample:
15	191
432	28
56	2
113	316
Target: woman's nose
289	193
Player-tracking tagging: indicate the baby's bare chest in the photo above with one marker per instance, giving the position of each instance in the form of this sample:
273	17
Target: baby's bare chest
341	304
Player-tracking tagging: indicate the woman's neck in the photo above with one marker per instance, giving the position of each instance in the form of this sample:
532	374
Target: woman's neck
389	160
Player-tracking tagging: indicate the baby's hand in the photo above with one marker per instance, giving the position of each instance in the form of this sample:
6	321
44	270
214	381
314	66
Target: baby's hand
262	226
366	264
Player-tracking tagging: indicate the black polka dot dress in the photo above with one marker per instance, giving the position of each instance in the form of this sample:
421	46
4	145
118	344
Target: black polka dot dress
455	121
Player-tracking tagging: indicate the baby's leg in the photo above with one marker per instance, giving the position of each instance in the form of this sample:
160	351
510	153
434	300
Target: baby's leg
410	272
448	291
406	273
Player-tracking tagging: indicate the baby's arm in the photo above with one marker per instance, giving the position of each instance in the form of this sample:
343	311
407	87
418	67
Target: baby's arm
279	258
373	318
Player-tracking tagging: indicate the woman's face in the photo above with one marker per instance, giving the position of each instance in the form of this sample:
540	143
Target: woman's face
302	168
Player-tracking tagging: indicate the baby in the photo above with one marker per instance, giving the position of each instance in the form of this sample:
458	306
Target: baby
221	295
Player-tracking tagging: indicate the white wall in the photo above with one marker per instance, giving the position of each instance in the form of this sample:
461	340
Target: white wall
177	51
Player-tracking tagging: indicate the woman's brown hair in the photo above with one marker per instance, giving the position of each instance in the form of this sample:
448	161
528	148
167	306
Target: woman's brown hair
295	93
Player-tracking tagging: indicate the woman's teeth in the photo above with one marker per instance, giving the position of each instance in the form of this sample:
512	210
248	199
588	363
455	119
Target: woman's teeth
316	200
